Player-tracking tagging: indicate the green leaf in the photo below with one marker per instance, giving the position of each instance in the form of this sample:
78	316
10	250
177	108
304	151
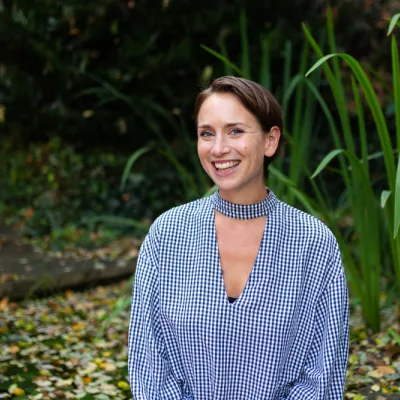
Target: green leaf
397	202
384	197
224	52
245	44
327	159
375	109
223	59
395	335
393	23
132	159
210	191
320	62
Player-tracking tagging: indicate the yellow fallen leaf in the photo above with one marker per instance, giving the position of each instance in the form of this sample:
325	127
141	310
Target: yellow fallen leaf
14	349
123	385
78	327
87	379
44	372
18	391
358	397
375	374
353	359
29	327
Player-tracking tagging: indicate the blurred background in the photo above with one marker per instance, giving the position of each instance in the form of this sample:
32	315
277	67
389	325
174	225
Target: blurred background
97	136
84	85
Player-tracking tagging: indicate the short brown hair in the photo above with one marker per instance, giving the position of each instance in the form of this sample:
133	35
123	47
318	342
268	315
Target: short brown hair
257	100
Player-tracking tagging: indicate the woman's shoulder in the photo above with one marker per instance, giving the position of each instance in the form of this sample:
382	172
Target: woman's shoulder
313	240
300	224
188	210
182	216
174	225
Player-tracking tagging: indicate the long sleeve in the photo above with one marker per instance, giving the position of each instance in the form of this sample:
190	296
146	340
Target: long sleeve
149	369
324	372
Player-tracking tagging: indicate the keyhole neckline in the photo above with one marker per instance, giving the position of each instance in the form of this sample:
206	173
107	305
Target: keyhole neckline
244	211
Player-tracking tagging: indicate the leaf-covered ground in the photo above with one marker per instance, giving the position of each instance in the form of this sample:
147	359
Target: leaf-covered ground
48	350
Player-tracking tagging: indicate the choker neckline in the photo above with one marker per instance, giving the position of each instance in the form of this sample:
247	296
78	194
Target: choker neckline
244	211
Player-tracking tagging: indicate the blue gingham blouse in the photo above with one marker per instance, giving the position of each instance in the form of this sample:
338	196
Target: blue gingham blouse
285	337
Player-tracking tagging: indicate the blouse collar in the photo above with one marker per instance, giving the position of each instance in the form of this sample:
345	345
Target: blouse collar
244	211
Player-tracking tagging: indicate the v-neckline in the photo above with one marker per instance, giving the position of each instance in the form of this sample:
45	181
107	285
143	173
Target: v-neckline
253	272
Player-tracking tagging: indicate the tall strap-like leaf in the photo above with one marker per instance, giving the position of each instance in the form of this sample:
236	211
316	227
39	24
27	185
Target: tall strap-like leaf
374	106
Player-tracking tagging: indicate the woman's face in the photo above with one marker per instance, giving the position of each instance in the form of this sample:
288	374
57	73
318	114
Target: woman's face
231	143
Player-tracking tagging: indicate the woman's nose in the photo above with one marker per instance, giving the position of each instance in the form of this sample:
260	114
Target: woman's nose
220	146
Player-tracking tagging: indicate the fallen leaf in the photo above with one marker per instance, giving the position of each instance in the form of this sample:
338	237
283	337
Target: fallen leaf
392	351
64	382
90	368
124	385
386	370
14	349
4	304
375	388
18	391
78	327
375	374
87	379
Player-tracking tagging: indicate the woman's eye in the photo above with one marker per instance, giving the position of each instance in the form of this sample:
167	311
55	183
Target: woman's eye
236	131
205	134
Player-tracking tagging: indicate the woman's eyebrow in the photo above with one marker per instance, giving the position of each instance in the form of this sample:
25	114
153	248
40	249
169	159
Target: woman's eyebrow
227	125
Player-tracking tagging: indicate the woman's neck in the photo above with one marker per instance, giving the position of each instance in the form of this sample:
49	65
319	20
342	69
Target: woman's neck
249	196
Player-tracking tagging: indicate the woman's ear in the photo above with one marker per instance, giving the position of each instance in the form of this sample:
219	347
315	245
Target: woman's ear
272	141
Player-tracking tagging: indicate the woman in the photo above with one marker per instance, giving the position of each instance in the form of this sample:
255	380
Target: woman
238	295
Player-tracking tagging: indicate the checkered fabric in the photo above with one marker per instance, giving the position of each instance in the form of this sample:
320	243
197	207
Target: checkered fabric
285	337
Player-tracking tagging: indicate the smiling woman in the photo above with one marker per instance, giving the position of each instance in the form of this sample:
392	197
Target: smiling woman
232	145
238	295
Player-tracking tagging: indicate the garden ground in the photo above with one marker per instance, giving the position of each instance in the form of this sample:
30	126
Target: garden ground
54	347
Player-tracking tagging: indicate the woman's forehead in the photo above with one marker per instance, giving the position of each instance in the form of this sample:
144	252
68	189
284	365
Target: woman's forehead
224	108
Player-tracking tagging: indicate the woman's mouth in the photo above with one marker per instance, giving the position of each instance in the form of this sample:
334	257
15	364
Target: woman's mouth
224	167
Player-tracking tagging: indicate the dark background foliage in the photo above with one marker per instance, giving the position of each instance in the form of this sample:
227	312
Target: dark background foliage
149	50
62	123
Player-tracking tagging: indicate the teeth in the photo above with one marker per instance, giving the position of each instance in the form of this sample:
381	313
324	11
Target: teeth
227	164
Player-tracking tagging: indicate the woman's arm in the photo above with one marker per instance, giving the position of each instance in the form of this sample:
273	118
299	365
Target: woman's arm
324	372
148	365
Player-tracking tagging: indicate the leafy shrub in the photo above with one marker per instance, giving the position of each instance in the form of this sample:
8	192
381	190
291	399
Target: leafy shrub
148	50
53	189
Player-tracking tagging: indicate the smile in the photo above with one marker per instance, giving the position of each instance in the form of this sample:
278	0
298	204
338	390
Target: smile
225	166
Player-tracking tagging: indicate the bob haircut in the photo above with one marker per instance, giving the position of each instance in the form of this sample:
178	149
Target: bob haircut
256	99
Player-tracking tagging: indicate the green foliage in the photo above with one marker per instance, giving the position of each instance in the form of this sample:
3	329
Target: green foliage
364	265
146	49
51	190
363	262
300	112
121	74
